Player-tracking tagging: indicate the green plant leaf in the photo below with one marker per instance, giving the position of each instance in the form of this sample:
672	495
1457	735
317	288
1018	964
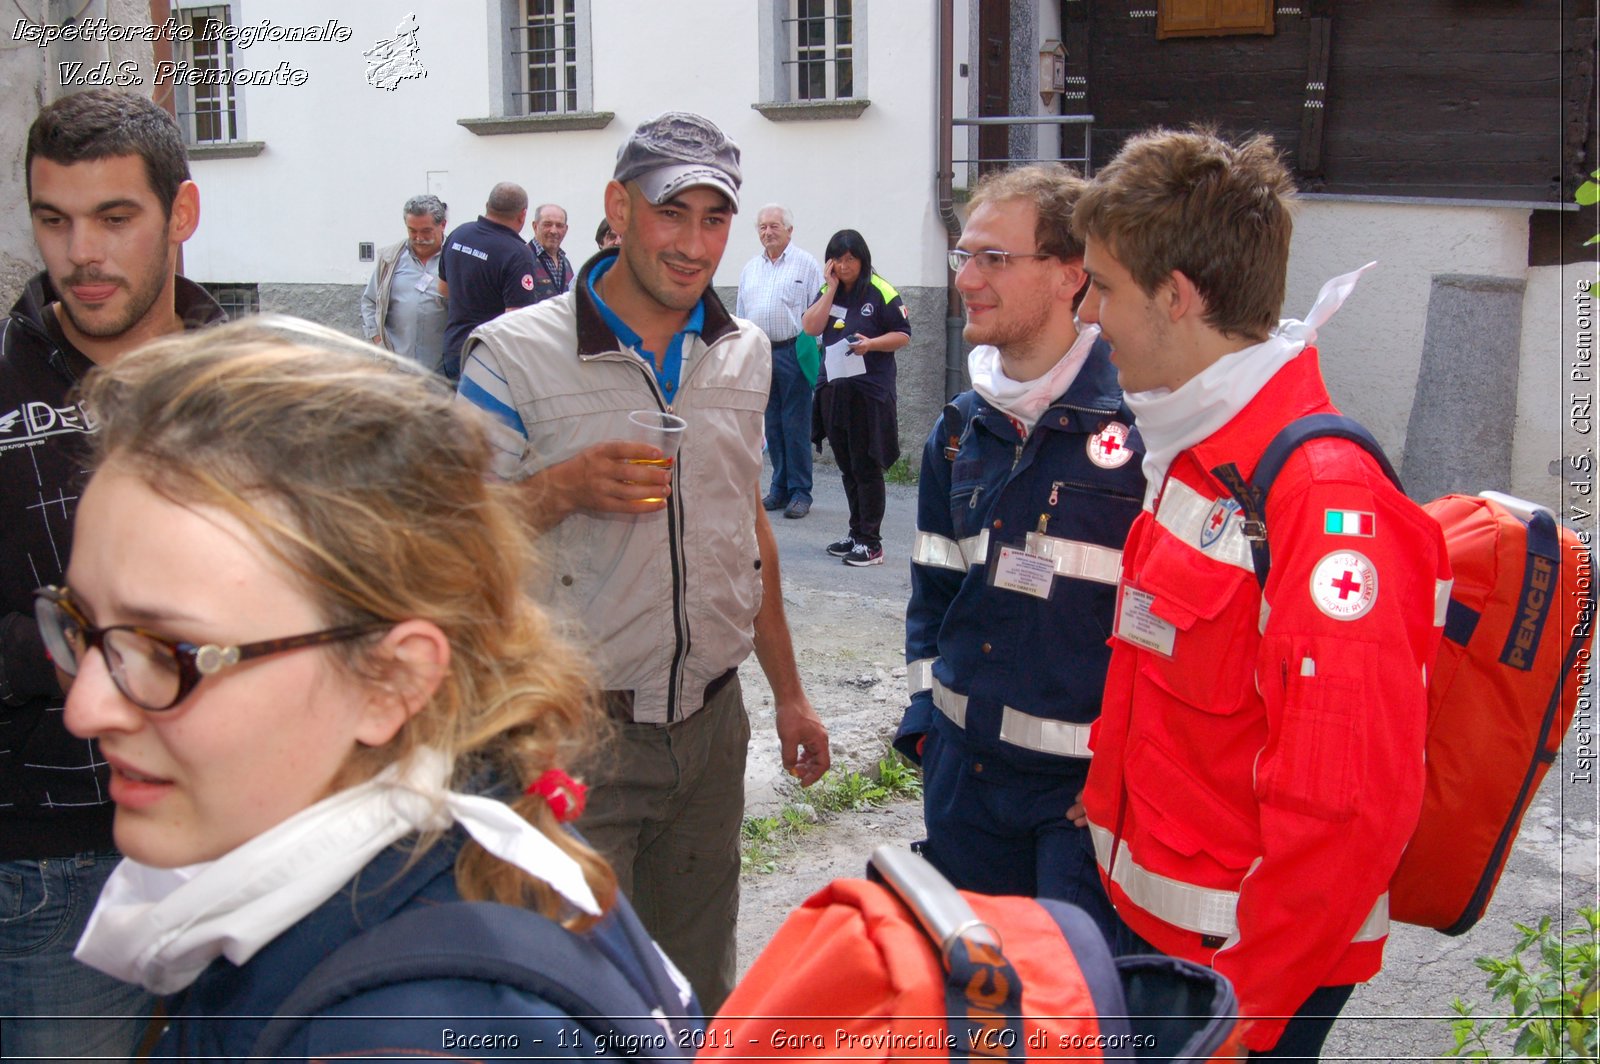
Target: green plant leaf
1588	194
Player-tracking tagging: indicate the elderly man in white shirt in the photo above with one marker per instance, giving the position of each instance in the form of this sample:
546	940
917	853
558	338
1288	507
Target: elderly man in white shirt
775	288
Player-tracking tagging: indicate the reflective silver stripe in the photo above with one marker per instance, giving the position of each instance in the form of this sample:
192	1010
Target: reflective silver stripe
1441	601
1019	728
1184	512
1083	561
1046	736
919	675
941	552
976	548
1376	925
937	551
950	704
1197	909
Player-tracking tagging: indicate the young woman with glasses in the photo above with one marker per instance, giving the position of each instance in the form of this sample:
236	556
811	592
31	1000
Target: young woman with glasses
294	623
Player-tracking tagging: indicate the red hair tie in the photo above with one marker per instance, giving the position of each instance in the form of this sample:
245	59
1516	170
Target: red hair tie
565	795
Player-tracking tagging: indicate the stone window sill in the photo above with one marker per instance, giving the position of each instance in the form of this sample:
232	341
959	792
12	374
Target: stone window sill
495	126
238	149
812	110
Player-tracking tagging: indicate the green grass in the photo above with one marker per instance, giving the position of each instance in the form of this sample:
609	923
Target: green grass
901	472
764	840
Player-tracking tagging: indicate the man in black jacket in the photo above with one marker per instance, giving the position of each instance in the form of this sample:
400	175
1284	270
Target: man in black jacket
111	203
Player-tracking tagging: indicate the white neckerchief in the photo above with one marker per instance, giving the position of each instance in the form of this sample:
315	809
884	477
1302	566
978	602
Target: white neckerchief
1026	401
160	927
1171	421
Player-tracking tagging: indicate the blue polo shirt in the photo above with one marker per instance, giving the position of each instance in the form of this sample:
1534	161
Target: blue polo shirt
671	371
488	269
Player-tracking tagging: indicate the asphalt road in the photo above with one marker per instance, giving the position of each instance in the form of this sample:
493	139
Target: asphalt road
801	542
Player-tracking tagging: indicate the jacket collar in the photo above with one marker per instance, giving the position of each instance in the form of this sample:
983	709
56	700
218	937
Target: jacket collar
1093	396
1294	391
595	336
242	997
194	305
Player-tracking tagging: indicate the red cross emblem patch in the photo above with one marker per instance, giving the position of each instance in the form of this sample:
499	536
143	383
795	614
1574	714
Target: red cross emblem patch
1344	585
1216	522
1108	448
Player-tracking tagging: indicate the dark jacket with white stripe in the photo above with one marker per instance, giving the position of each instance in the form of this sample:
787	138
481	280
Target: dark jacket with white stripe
1022	674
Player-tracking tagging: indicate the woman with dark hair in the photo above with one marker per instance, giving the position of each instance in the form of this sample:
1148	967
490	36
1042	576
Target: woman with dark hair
860	322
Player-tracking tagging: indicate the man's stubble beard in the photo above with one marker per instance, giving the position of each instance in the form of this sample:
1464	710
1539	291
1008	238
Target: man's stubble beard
140	299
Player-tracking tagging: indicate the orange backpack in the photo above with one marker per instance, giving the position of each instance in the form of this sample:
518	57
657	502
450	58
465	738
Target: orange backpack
909	967
1504	688
1503	693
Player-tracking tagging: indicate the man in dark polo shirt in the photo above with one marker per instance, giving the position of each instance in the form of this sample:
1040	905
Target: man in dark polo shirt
486	270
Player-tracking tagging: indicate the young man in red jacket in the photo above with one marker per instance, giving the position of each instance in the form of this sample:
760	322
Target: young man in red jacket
1258	761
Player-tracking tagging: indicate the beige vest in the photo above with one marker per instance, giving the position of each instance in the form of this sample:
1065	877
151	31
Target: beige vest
667	600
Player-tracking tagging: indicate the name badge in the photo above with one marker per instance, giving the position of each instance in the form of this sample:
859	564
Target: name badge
425	282
1029	573
1138	625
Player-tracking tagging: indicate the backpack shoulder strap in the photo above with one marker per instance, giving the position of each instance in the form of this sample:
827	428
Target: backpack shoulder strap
486	942
1252	494
957	412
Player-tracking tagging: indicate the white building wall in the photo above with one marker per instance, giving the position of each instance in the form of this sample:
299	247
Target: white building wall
341	156
1372	349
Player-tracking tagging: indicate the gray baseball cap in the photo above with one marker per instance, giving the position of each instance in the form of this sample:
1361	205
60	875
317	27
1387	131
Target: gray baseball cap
679	150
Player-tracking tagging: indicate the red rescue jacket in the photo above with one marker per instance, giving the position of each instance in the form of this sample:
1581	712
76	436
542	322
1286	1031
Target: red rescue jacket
1258	761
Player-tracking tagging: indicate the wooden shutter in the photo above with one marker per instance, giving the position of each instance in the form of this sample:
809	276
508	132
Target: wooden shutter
1212	18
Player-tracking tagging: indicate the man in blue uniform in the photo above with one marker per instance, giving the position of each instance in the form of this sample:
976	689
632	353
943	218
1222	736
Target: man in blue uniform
1029	484
486	270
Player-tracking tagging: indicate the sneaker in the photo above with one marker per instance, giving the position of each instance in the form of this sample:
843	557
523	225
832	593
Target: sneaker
861	554
842	547
774	502
798	507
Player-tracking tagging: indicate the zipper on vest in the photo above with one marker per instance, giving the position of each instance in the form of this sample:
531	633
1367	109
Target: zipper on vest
682	637
680	619
680	623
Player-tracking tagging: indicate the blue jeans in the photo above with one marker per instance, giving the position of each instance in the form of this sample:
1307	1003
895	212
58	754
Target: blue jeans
789	425
61	1008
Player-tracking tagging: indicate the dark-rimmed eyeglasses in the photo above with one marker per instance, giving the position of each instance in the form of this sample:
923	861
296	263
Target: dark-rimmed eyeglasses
153	672
989	261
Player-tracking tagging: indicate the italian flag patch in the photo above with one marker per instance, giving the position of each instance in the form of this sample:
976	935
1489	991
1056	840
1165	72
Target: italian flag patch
1347	523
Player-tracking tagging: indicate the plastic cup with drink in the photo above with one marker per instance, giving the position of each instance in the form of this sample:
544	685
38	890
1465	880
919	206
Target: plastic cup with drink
661	430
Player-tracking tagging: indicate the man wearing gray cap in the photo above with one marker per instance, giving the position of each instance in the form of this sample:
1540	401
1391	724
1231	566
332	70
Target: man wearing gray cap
670	566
